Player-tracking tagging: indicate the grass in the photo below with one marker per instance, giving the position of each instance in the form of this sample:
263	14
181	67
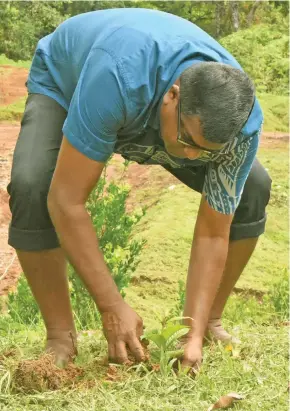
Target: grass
14	111
5	61
165	258
253	370
258	369
276	112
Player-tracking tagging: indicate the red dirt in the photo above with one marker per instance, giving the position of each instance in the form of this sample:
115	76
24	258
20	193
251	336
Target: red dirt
8	136
12	87
42	375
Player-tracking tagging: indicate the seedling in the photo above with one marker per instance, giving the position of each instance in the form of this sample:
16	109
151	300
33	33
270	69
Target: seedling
166	341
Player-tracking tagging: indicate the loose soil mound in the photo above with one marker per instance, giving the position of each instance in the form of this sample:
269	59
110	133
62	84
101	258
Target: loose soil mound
42	375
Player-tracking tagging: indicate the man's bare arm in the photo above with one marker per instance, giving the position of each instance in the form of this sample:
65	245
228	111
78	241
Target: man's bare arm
207	262
74	178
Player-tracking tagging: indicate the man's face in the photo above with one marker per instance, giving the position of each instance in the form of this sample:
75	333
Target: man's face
182	135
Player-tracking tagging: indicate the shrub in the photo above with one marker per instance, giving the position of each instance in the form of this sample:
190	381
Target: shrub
262	51
114	227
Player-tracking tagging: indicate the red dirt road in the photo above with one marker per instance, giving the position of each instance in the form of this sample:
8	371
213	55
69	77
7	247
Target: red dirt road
12	84
8	136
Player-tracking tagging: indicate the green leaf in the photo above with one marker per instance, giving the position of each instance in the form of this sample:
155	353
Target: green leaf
174	331
176	336
158	339
175	353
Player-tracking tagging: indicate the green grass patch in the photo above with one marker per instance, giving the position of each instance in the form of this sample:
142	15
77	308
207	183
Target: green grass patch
276	112
8	62
168	229
14	111
256	369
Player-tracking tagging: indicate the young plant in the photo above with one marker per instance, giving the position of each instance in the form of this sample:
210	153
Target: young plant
166	341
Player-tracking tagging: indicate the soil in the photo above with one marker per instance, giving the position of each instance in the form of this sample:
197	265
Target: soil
8	259
12	87
42	375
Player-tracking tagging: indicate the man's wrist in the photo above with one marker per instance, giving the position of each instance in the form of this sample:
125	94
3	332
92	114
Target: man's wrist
109	301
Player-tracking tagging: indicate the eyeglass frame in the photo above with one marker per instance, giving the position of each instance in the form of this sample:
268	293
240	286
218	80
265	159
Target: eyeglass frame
205	151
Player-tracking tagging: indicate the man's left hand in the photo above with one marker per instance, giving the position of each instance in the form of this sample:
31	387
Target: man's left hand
192	356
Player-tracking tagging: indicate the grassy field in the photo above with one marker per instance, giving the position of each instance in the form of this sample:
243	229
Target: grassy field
257	368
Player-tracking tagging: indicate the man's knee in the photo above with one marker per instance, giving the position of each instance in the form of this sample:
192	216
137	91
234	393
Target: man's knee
258	186
28	191
250	216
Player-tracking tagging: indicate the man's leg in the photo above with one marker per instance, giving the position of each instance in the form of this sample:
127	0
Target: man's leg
248	224
31	232
238	256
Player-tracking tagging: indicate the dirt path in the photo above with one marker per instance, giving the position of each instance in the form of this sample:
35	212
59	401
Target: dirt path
8	136
12	84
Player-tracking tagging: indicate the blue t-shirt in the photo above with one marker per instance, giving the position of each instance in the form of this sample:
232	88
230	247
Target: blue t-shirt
110	69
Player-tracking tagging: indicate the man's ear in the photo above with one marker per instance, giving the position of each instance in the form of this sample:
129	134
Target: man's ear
172	95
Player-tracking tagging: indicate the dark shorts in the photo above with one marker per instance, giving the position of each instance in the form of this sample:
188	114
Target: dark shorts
33	165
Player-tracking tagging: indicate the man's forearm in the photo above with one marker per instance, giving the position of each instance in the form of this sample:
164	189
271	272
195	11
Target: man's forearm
78	239
207	262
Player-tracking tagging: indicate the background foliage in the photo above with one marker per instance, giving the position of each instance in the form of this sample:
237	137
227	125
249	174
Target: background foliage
261	44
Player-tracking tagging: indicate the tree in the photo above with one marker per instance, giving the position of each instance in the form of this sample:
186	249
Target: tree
252	12
234	7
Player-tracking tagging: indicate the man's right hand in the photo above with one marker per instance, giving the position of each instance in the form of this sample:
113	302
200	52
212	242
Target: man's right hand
123	328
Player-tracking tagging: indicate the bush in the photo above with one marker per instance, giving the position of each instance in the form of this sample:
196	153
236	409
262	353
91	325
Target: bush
262	51
114	227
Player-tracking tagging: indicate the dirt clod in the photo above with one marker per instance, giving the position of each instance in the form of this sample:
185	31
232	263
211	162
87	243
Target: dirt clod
42	375
8	354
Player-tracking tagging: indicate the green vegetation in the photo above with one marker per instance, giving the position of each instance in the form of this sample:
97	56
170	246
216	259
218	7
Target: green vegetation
24	23
165	258
14	111
256	369
276	112
113	227
263	53
9	62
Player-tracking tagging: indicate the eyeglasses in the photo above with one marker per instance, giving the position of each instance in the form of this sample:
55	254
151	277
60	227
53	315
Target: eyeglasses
205	152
